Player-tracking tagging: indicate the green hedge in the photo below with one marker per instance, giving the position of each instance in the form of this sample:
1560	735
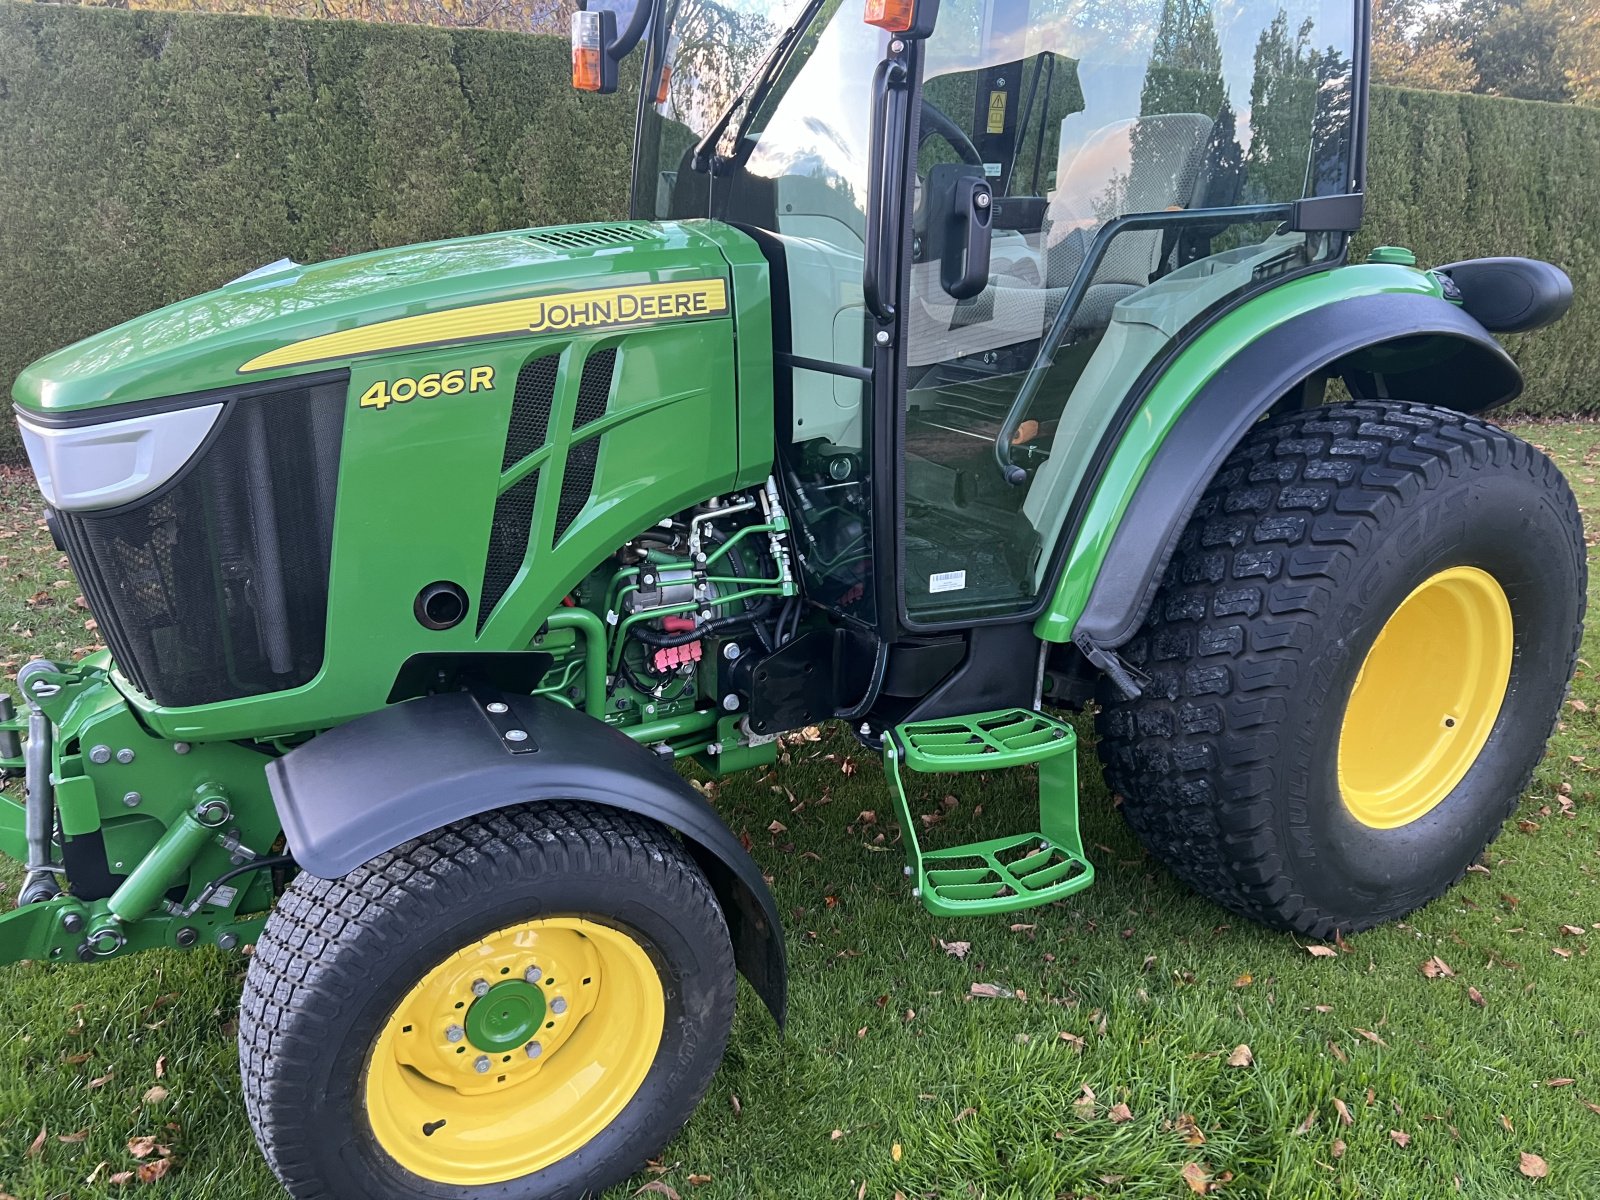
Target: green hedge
146	156
1459	176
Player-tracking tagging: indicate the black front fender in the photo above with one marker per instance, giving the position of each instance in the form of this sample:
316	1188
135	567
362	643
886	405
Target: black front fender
1389	344
367	786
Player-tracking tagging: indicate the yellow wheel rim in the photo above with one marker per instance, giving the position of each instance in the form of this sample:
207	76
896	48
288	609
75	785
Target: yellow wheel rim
515	1052
1426	699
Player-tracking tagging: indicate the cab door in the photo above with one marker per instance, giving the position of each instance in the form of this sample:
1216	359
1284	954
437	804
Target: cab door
1091	183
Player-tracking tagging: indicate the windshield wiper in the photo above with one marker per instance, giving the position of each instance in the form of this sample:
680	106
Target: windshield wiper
748	101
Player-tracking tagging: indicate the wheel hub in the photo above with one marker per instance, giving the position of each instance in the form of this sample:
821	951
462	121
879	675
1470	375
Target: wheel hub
1426	698
507	1017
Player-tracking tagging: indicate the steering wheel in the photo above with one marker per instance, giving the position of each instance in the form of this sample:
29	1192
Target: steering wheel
936	122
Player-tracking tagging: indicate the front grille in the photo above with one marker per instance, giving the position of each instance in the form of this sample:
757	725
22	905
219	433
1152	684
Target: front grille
215	587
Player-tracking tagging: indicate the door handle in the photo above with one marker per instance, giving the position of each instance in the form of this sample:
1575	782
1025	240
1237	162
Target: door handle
881	260
965	269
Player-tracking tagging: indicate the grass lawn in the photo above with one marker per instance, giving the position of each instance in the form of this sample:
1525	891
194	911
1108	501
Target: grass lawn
1109	1068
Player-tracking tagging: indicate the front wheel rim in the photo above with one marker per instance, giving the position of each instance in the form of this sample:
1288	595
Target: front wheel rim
1426	698
515	1052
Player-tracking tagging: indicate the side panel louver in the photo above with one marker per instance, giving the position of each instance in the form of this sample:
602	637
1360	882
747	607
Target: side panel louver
512	533
594	390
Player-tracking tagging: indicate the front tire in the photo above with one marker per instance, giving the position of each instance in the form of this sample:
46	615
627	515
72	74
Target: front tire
525	1006
1356	657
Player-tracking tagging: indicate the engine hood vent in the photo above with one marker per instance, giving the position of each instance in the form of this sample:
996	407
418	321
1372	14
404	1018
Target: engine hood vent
592	237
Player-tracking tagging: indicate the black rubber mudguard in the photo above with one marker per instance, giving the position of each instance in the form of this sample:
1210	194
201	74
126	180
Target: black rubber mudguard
1389	344
365	787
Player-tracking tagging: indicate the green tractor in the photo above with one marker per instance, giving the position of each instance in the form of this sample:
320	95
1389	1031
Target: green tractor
960	362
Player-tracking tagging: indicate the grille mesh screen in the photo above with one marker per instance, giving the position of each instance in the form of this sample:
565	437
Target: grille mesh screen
530	409
508	541
594	390
216	587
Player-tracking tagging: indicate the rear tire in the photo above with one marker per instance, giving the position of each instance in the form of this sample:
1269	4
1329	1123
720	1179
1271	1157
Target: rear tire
348	969
1316	530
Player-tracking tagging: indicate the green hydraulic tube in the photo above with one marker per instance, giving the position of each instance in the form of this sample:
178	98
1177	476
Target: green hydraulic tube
171	857
671	727
594	654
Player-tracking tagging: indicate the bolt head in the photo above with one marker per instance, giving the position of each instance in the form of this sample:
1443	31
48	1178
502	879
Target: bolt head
100	754
454	1033
731	651
534	1049
188	937
180	747
480	987
533	974
481	1064
132	799
125	755
558	1005
72	922
228	941
516	735
896	46
498	706
730	702
882	337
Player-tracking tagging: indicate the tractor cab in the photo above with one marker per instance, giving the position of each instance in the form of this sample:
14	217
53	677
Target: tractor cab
988	222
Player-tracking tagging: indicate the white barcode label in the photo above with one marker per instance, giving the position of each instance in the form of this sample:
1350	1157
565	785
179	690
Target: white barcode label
947	581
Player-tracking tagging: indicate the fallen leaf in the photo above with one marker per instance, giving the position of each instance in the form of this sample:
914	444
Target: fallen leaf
1241	1056
1574	930
103	1080
963	1115
1073	1040
1118	1113
1343	1110
1475	996
991	991
1532	1166
895	1152
658	1188
1505	1123
152	1171
161	1067
1322	951
155	1095
142	1147
1197	1177
1372	1037
120	1178
699	1180
1337	1149
1399	1138
1084	1104
1185	1125
1244	980
775	827
955	949
1562	1082
1305	1126
1561	950
1436	967
72	1139
836	1135
38	1143
95	1174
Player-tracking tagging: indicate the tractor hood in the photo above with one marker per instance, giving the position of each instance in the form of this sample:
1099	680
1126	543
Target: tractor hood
289	319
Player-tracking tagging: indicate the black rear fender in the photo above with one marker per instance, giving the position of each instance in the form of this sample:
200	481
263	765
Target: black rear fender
365	787
1386	345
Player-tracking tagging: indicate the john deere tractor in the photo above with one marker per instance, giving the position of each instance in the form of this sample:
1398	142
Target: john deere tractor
960	364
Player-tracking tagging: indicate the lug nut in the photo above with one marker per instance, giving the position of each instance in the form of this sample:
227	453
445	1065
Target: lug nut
480	987
558	1005
454	1034
533	974
481	1064
534	1049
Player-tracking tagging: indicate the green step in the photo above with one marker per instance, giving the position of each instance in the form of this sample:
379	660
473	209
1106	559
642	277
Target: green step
1002	874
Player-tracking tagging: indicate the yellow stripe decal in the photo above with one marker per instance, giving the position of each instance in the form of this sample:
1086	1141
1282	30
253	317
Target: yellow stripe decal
600	308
